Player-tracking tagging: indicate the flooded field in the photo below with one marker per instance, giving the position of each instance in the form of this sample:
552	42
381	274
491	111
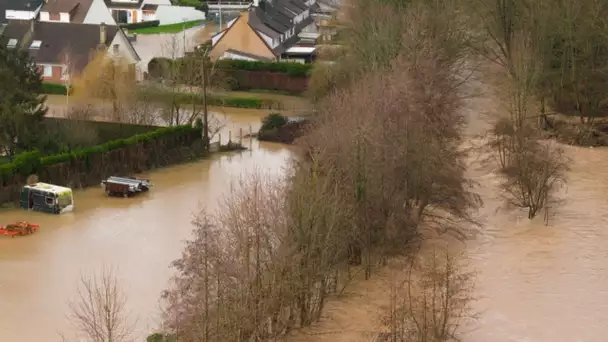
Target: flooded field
139	236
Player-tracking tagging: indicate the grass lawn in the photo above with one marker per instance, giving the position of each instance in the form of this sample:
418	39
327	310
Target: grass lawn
173	28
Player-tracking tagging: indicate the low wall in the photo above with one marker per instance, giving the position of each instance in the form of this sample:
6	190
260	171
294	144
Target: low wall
124	161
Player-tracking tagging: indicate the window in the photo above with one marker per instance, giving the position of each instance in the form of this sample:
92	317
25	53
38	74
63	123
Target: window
47	71
36	44
12	43
115	48
64	200
49	200
54	16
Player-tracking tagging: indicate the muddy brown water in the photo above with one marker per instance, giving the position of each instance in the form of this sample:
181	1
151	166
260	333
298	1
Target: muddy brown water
535	282
139	236
540	282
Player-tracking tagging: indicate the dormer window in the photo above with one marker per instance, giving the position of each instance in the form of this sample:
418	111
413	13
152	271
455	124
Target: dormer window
12	43
36	44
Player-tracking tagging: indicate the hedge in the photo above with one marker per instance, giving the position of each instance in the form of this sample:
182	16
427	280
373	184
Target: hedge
27	163
54	88
290	68
103	130
140	25
219	101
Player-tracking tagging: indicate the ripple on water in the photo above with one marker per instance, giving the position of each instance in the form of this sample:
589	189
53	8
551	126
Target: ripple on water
547	283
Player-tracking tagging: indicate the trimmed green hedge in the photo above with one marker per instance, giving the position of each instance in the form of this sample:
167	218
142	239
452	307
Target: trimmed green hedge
219	101
143	24
30	162
54	88
290	68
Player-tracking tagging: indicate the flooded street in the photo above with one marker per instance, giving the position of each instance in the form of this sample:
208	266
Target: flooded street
140	236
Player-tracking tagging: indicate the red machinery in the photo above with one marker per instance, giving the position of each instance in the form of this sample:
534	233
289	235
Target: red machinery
19	228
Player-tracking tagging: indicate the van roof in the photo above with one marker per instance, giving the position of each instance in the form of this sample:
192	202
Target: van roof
48	187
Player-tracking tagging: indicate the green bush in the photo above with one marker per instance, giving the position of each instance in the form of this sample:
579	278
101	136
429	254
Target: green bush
54	88
140	25
242	102
157	337
273	121
290	68
168	97
30	162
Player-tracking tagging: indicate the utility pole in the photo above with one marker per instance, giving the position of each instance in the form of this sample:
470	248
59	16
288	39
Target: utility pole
184	34
205	109
220	8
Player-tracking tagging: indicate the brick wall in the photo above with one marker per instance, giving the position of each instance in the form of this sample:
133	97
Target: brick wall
55	77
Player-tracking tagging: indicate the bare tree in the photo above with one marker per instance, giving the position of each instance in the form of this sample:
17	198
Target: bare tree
98	311
536	171
433	302
109	80
68	71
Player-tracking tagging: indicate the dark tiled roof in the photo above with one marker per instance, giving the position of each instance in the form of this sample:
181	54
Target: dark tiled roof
81	11
17	5
299	3
294	8
255	21
60	6
79	40
113	4
291	41
149	7
249	55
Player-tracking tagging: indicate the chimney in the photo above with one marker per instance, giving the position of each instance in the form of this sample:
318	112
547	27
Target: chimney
102	33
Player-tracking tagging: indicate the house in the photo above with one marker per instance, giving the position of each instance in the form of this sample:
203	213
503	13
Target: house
326	18
62	49
65	11
125	11
19	10
270	30
135	11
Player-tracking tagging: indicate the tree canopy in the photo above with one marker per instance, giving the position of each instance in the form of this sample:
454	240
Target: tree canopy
22	107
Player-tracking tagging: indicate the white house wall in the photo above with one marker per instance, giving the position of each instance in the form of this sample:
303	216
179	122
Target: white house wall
22	15
124	51
63	17
216	38
228	55
139	15
99	13
267	39
231	22
157	2
168	15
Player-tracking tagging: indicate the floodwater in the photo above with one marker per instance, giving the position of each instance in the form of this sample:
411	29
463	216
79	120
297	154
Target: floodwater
536	282
540	282
138	236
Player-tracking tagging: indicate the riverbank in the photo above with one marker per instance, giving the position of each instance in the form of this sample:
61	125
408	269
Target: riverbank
569	130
